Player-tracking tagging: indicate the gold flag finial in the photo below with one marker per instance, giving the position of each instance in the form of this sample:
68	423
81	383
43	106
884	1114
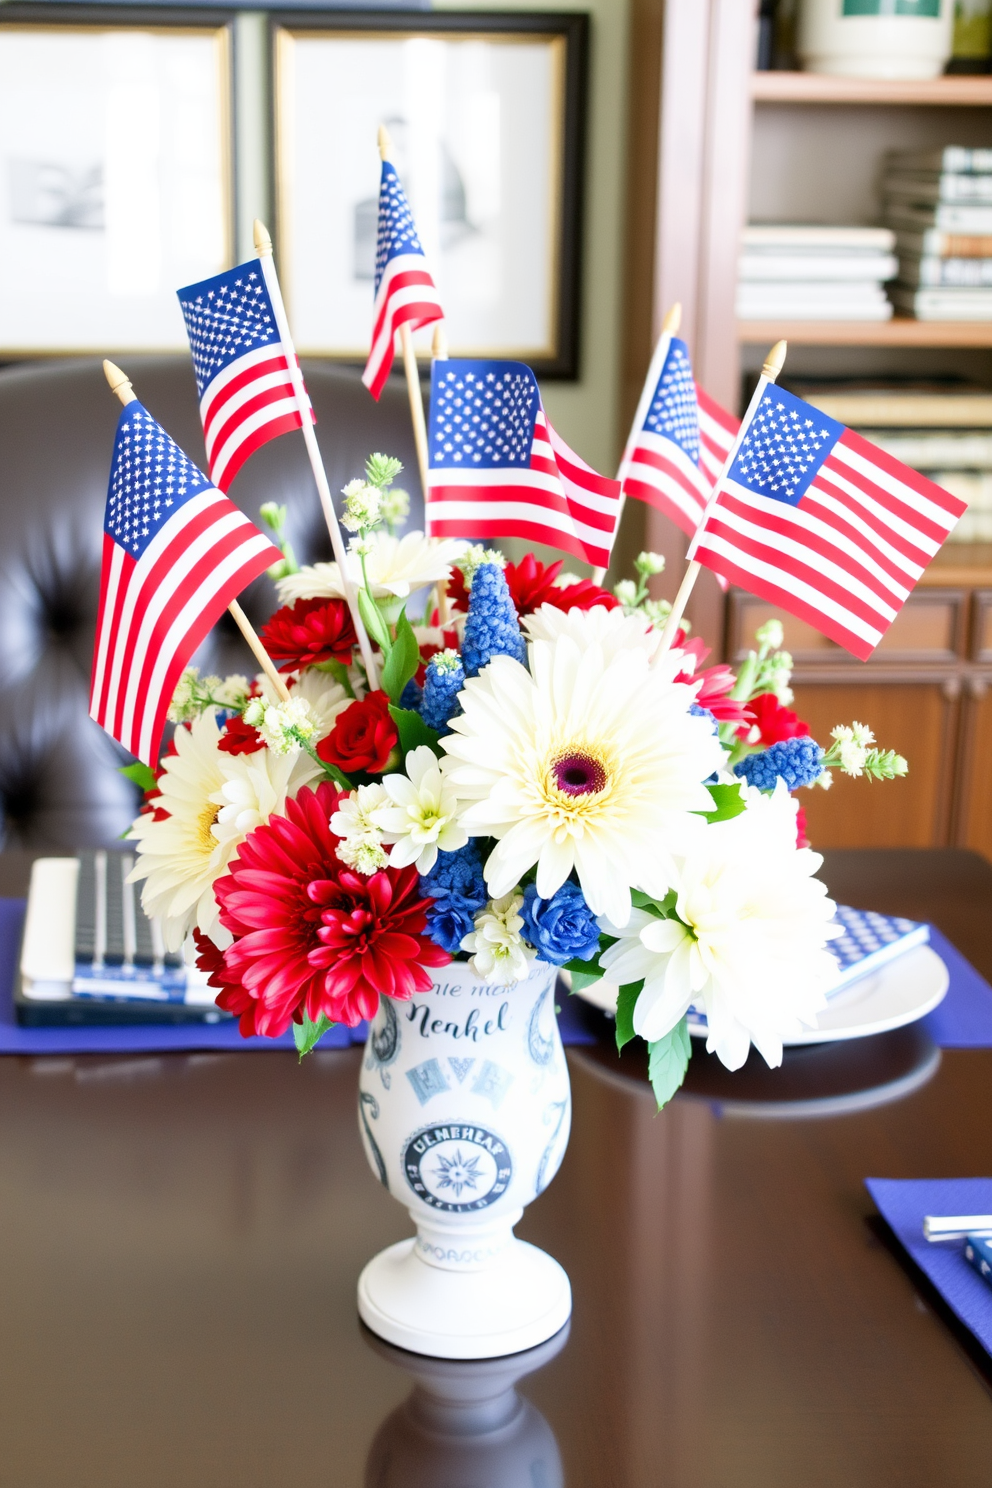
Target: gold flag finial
670	325
385	143
119	383
775	360
263	243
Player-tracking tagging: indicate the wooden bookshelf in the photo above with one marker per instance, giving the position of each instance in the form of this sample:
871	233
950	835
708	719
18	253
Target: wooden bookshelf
900	331
811	87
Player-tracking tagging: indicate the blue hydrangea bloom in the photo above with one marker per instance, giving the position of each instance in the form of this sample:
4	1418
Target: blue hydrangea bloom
492	628
562	927
457	873
411	695
796	761
450	918
458	889
443	682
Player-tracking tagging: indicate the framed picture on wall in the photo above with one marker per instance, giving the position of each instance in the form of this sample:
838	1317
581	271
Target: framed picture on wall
115	174
486	117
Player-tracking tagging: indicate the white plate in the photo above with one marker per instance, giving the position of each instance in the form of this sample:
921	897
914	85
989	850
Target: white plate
898	993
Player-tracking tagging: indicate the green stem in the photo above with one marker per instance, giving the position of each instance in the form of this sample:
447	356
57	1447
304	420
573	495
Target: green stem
330	770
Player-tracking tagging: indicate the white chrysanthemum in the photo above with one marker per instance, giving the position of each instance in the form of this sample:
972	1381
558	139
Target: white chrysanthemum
499	952
396	567
750	950
590	761
423	816
358	822
612	630
213	800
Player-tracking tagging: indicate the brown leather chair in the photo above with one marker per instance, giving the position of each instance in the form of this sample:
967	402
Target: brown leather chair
59	781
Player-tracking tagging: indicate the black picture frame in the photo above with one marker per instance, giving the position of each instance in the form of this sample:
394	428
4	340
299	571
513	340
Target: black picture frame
563	362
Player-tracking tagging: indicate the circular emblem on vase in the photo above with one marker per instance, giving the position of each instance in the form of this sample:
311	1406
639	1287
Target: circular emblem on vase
457	1167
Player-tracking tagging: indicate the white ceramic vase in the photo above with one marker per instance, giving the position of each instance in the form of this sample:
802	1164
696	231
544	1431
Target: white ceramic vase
465	1109
875	38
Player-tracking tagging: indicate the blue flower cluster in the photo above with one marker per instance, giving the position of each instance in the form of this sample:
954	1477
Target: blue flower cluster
443	682
796	761
458	889
411	695
562	927
492	628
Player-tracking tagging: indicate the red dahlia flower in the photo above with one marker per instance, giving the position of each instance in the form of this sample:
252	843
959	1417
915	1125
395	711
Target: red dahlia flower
308	632
775	722
310	936
363	736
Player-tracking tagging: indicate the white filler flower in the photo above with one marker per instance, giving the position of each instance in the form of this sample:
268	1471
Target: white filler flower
423	815
590	761
396	567
750	950
358	822
500	954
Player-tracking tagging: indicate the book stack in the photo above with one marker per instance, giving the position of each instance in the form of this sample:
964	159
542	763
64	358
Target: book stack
801	272
939	204
944	430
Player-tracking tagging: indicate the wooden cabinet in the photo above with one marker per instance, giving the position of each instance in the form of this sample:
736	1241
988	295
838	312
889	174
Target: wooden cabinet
926	692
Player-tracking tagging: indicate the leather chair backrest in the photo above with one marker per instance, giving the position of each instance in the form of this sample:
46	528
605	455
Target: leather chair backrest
59	781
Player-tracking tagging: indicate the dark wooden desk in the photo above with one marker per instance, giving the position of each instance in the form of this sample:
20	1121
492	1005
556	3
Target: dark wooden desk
180	1239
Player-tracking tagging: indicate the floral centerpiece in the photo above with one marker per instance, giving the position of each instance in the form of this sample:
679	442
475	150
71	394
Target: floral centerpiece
536	781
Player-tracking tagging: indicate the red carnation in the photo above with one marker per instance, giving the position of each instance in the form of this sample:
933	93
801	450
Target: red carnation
308	632
532	584
775	722
310	936
239	737
363	736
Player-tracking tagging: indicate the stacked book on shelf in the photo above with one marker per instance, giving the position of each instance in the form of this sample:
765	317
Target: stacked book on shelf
939	205
791	271
942	429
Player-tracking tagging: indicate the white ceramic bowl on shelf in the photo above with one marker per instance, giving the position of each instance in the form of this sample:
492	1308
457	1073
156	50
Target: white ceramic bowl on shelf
875	38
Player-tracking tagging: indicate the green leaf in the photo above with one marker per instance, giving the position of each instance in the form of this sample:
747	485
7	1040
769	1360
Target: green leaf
668	1060
140	774
727	801
402	661
373	621
412	730
665	907
583	979
626	998
338	671
308	1034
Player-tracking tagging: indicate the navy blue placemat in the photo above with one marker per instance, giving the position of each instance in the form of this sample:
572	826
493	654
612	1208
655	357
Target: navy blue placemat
903	1202
160	1039
964	1018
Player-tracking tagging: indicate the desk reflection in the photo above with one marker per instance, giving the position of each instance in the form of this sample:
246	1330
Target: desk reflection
463	1425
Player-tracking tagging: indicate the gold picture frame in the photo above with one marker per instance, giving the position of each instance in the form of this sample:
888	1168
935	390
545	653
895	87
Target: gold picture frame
486	113
117	176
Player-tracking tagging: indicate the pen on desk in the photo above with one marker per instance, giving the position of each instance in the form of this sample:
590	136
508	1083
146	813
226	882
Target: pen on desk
957	1226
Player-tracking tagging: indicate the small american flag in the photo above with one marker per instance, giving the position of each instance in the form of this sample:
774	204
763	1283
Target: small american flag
498	469
404	290
175	553
241	365
814	518
679	444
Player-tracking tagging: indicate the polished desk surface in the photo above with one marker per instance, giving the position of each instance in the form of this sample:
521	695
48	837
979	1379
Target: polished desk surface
180	1239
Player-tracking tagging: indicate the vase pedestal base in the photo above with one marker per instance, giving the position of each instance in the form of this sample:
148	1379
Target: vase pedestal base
518	1301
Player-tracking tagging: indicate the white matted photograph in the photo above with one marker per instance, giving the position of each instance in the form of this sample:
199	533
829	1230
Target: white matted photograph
115	181
487	151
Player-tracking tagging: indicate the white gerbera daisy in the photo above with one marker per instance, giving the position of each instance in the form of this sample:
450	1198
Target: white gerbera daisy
591	761
424	815
749	944
213	801
612	630
396	566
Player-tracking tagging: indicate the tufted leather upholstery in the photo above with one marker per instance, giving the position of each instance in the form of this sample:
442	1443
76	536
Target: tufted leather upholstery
59	786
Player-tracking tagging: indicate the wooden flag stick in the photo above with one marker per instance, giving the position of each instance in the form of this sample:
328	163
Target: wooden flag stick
263	247
121	385
410	360
774	363
439	353
669	328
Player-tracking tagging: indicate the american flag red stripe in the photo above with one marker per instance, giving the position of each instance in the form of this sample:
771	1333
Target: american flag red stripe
193	552
558	500
659	473
250	402
406	296
845	553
